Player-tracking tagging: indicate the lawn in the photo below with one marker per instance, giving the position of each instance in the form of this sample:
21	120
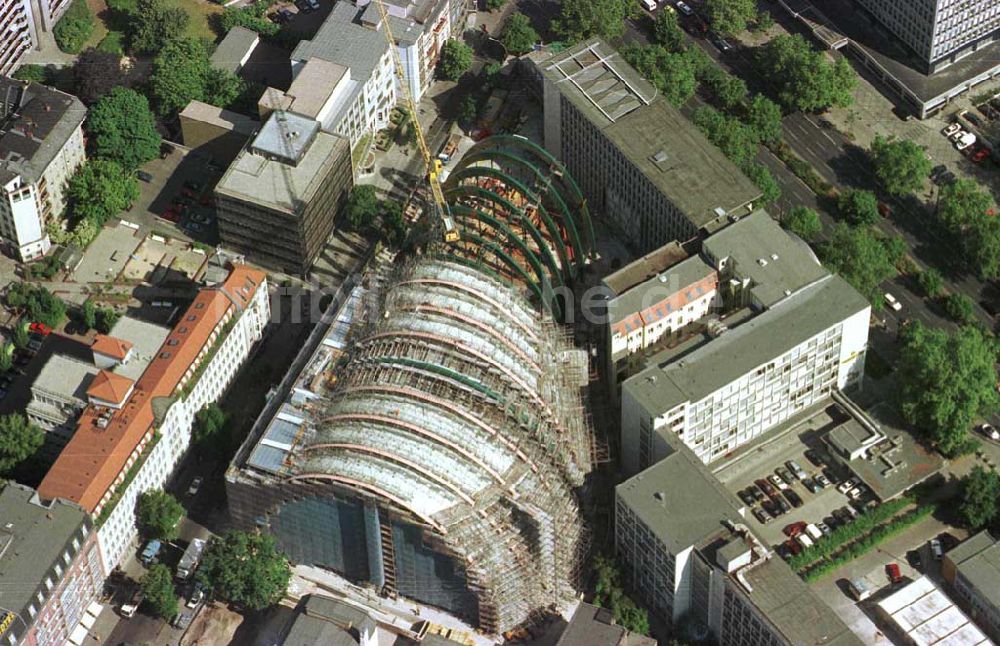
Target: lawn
199	26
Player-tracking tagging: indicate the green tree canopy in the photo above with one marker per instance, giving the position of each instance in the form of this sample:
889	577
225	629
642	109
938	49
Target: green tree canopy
901	166
393	223
88	314
96	73
252	17
75	27
180	74
493	5
101	189
728	91
362	207
518	35
762	177
39	305
980	496
106	319
803	222
667	31
858	206
804	78
959	308
730	16
210	427
246	569
19	440
964	208
861	258
159	514
736	140
20	336
456	59
948	381
6	357
123	129
608	593
931	282
158	591
223	88
764	116
582	19
672	74
152	25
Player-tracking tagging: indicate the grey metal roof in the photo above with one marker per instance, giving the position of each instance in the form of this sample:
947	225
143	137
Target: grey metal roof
978	560
36	121
65	377
776	262
344	40
738	351
645	268
146	339
592	626
343	614
679	500
32	540
285	136
232	49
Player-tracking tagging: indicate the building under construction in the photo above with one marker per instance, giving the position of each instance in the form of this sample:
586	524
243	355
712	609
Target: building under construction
434	444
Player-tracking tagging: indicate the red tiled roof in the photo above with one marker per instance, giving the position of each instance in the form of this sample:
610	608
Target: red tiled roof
667	306
110	346
110	387
94	458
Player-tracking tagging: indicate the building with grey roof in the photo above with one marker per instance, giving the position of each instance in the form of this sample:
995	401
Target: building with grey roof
595	626
688	554
41	145
747	377
277	201
636	157
973	570
50	569
234	50
328	621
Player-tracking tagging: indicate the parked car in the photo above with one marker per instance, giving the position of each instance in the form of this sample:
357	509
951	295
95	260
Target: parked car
766	487
804	540
821	481
989	431
650	5
183	620
40	329
792	529
782	505
796	470
859	589
793	498
892	569
936	550
197	595
979	155
193	227
824	528
831	475
685	9
195	486
814	532
762	516
777	482
951	129
847	485
772	507
144	176
814	458
150	552
785	475
810	484
854	493
891	301
913	558
842	515
720	43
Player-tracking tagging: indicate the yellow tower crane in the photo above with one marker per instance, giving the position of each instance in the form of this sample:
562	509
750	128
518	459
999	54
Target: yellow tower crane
432	165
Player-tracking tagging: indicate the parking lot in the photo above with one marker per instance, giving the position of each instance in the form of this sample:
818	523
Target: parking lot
175	196
764	479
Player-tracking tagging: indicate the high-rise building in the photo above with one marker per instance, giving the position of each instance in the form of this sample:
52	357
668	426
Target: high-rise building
637	159
940	32
733	377
50	569
278	200
41	145
133	433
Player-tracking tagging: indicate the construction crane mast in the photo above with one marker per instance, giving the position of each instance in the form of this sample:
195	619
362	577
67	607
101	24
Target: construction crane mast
432	165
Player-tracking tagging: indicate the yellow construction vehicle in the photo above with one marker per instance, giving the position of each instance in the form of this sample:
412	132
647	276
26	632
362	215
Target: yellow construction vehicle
431	164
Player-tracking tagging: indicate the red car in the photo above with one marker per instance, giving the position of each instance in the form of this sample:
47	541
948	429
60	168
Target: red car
980	155
884	209
171	215
892	569
794	529
793	546
40	328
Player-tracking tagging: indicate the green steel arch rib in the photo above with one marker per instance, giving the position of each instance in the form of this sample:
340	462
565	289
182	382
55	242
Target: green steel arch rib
524	143
473	190
474	172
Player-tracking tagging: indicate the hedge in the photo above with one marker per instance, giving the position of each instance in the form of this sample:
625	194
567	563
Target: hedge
74	28
803	170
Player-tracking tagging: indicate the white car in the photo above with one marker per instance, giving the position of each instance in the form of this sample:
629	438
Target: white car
893	304
989	431
195	486
650	5
685	9
951	129
966	140
777	482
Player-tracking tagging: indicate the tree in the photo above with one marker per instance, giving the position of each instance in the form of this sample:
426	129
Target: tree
210	427
74	28
762	177
159	514
88	314
730	16
106	319
456	59
101	189
393	223
672	74
152	25
901	166
931	282
32	72
468	109
947	381
763	21
980	495
858	207
19	440
963	208
667	31
223	88
20	336
158	591
252	17
737	141
245	568
803	222
38	304
959	307
123	129
582	19
493	5
362	206
728	90
518	36
6	357
608	593
764	116
803	77
860	258
96	73
180	74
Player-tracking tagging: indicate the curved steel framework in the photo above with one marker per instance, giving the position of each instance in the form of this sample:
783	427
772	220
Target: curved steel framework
460	411
520	214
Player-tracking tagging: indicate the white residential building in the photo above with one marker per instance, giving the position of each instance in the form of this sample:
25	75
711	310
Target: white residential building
41	145
793	334
150	428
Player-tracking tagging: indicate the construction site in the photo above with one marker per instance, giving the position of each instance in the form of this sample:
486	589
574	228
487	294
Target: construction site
435	444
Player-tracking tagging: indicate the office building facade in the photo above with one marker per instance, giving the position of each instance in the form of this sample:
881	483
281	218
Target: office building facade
973	570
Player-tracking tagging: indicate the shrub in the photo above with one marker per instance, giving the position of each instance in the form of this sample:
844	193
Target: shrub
74	28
